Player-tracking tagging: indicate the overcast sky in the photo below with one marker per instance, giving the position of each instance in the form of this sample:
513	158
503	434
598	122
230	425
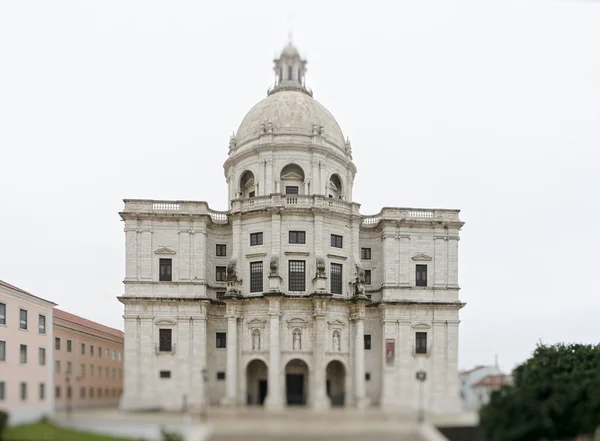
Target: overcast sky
490	107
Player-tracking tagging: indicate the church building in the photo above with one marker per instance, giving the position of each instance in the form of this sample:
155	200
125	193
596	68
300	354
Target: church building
291	296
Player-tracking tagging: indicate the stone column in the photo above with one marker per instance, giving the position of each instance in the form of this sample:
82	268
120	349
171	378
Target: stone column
197	390
230	398
318	397
359	359
274	399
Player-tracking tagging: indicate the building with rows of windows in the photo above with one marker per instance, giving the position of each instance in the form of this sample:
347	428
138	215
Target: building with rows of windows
292	296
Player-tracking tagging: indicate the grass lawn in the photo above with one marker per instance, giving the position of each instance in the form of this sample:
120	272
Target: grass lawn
48	432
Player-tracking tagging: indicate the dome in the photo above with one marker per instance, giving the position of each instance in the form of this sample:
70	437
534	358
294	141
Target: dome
290	112
290	51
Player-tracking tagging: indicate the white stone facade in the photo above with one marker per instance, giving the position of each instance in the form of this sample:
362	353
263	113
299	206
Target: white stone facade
295	331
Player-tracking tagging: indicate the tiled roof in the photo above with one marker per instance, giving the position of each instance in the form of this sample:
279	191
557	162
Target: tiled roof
493	380
22	291
470	371
87	323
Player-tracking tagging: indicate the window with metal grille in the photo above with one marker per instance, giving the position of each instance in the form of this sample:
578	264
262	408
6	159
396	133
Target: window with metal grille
336	241
2	313
256	276
421	275
365	253
221	274
165	374
22	319
165	269
367	277
42	356
297	275
367	339
220	294
42	324
57	343
297	236
57	367
291	189
2	350
221	250
91	350
336	278
82	348
220	375
421	343
221	339
164	340
23	354
99	352
256	239
69	343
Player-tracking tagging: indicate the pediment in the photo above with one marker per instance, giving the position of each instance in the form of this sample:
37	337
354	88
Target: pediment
165	250
297	323
421	326
292	175
165	322
256	323
336	324
422	257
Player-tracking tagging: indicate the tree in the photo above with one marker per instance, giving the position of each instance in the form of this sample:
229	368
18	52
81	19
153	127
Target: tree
555	395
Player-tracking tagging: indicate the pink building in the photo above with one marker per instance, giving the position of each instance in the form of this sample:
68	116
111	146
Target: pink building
26	336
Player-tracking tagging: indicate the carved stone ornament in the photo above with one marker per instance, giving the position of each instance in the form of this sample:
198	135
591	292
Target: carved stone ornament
274	265
321	267
297	339
164	250
422	257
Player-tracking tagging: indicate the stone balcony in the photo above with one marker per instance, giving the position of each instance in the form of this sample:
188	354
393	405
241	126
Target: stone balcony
149	207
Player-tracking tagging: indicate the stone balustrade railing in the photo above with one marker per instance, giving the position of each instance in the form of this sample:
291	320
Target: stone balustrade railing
291	201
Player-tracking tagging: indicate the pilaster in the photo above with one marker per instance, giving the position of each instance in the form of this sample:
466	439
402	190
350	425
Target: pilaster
274	399
231	386
318	396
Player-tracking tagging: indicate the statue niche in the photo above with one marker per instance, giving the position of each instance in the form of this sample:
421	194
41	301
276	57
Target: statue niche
336	341
297	339
256	340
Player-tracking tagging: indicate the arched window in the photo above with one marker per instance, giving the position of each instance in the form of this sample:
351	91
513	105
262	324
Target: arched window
292	179
247	185
335	187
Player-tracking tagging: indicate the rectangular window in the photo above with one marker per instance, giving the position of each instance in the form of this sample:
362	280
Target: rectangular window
2	350
220	375
291	189
106	354
99	352
256	276
22	319
42	356
120	356
82	370
114	355
42	324
336	241
82	393
57	392
42	391
336	278
2	390
23	353
99	393
99	371
2	314
365	253
106	372
367	338
91	350
368	376
421	343
221	250
69	368
165	267
69	392
69	345
220	294
297	275
367	277
221	339
421	275
165	374
114	373
91	392
256	239
23	391
297	236
91	370
165	340
57	343
82	348
221	274
57	367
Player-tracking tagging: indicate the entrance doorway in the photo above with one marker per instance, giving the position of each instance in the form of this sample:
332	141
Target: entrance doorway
336	383
256	381
296	383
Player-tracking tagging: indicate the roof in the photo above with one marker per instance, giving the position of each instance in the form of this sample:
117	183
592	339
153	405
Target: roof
22	291
493	380
67	316
470	371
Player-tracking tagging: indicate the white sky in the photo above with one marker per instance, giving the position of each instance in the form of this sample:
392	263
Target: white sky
492	107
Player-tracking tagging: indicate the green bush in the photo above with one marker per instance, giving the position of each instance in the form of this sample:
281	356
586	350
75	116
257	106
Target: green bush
170	436
3	423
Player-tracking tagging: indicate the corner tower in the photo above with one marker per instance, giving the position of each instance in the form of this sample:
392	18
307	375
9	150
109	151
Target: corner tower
289	143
